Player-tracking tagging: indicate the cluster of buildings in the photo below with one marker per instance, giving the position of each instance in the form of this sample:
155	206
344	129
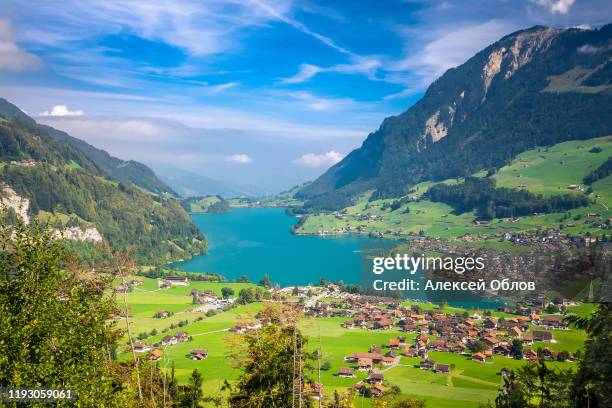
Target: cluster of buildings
24	162
474	334
128	286
170	281
179	337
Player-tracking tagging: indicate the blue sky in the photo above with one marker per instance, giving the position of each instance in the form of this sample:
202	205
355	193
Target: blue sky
266	93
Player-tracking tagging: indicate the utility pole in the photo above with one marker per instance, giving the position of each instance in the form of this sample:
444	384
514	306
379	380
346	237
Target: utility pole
296	400
319	368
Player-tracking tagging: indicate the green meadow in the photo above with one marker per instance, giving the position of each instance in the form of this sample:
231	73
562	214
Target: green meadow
545	170
469	383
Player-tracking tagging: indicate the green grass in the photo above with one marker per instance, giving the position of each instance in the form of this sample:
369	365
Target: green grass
202	205
71	165
583	310
469	384
547	171
550	170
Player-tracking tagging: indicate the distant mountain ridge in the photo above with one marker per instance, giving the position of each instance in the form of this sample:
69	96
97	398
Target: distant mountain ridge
535	87
126	171
189	184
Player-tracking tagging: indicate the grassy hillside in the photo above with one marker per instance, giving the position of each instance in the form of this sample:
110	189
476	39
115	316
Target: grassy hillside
550	170
208	204
547	170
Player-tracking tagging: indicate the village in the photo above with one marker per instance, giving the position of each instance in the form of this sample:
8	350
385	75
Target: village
416	330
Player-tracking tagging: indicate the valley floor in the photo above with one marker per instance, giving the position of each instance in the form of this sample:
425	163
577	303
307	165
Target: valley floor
469	382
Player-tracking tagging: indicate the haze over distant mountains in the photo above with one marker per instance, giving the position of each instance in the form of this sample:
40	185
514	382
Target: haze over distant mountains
169	180
189	184
534	87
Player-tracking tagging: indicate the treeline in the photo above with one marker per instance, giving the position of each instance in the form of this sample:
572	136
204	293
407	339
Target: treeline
220	206
481	195
160	273
601	172
21	140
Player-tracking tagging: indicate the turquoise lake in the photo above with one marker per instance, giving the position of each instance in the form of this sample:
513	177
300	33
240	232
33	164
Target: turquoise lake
256	241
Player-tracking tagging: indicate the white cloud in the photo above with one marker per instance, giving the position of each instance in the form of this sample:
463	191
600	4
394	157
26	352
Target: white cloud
239	158
446	50
280	14
13	58
197	27
215	89
61	110
592	49
318	103
140	127
319	160
555	6
367	66
305	73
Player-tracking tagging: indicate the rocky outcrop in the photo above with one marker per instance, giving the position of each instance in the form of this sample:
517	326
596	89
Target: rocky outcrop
79	234
20	205
520	53
435	128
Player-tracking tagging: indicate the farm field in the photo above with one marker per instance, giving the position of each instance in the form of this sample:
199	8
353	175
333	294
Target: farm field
546	170
469	382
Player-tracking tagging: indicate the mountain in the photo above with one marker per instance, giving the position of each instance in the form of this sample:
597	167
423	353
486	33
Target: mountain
189	184
535	87
125	171
51	179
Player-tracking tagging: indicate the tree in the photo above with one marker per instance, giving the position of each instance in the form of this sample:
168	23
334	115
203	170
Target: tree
563	355
243	279
591	384
246	296
477	346
535	386
54	321
408	402
345	400
396	400
191	395
265	281
275	359
227	292
517	349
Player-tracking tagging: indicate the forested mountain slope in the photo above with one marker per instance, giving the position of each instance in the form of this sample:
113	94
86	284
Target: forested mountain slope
58	182
127	171
535	87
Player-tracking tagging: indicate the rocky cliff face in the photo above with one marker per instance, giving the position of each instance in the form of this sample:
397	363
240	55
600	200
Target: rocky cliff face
11	201
500	102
